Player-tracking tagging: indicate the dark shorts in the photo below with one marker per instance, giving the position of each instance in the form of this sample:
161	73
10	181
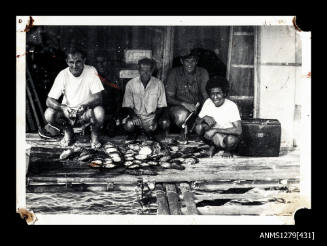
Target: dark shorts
178	115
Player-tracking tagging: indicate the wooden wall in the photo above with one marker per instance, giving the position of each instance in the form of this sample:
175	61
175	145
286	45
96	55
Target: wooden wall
278	65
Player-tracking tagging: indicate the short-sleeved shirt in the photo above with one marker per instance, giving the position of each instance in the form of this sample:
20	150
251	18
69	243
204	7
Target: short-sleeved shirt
144	101
223	115
76	89
186	88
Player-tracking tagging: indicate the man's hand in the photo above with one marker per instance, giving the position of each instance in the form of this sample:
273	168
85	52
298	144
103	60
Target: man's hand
67	111
209	120
81	109
190	107
136	121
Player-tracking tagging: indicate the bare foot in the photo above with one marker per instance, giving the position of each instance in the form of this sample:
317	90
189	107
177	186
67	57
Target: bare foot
95	143
212	151
68	138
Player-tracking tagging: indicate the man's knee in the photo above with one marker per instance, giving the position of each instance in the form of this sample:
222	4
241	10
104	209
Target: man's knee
215	140
50	115
180	116
199	129
231	141
99	114
129	126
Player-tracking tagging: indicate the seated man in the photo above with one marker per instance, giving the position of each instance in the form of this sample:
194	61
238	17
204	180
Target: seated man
185	88
82	97
144	100
219	121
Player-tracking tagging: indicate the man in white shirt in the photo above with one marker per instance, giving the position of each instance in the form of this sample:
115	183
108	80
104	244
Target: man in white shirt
219	121
81	88
144	100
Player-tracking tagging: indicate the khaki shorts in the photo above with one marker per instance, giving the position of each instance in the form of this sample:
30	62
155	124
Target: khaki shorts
148	123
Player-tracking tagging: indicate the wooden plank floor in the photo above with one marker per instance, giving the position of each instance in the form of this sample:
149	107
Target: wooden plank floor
213	186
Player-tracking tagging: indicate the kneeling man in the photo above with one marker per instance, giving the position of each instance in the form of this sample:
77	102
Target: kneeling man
144	100
81	88
219	121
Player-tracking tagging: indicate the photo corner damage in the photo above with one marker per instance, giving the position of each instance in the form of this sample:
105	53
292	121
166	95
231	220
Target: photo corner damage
29	216
295	25
29	24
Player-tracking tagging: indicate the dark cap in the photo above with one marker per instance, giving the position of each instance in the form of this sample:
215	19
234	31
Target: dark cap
187	53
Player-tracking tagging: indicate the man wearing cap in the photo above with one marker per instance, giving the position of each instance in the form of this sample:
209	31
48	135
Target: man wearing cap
144	100
185	87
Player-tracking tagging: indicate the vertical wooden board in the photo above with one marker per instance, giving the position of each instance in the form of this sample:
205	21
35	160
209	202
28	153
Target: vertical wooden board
167	52
29	117
241	82
257	55
188	199
163	207
243	50
36	117
222	43
91	42
157	46
173	200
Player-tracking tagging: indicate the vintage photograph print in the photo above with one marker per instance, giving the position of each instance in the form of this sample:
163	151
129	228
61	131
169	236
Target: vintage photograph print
201	119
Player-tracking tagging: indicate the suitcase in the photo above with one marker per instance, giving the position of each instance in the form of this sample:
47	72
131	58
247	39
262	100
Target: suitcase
260	138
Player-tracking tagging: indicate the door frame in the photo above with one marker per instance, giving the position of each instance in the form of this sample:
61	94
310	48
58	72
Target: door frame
257	61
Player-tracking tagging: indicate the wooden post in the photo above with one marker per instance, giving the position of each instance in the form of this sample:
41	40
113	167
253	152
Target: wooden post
174	204
163	207
188	199
91	44
229	57
35	94
168	48
256	110
33	107
30	122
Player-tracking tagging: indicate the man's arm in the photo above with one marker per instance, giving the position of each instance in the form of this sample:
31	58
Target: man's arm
206	119
235	130
174	102
54	104
205	78
134	118
94	100
171	100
